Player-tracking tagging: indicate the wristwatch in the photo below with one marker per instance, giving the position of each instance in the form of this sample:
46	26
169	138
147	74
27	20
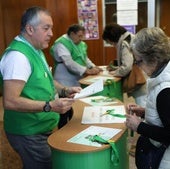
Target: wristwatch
47	107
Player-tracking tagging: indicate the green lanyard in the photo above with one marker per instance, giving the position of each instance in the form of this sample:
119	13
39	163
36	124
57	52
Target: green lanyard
39	52
108	99
109	82
112	113
114	153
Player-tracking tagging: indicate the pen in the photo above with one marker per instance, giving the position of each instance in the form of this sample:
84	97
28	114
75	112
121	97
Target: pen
111	112
131	131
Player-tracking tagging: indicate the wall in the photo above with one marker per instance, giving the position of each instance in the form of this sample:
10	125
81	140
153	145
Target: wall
2	43
164	16
64	13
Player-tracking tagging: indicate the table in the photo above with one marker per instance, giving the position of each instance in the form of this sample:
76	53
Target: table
112	85
67	155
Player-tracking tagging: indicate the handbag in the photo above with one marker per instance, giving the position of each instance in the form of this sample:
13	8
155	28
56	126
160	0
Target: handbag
148	156
133	80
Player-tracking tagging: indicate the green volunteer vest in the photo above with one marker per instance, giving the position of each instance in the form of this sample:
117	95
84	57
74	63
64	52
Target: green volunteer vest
40	86
1	85
78	52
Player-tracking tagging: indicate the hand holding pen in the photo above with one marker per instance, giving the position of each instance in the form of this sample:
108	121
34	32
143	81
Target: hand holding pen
132	120
134	108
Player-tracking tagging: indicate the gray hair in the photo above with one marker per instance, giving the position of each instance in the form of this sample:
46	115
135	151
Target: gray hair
152	45
31	16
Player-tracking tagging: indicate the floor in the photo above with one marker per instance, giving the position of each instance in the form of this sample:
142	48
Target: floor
10	160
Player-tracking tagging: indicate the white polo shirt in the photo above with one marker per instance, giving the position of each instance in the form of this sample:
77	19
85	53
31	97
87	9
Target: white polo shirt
15	65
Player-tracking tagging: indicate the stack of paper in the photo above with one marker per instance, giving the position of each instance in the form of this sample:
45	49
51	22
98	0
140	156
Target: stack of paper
98	114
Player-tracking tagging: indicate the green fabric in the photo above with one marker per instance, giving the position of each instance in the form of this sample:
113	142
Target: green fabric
108	99
112	89
1	84
78	52
112	113
40	87
115	154
99	159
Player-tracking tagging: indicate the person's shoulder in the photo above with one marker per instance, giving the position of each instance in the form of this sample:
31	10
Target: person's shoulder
15	53
61	37
83	43
65	36
126	42
13	56
132	36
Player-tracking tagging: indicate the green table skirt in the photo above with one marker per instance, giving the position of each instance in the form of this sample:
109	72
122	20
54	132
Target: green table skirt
91	160
111	89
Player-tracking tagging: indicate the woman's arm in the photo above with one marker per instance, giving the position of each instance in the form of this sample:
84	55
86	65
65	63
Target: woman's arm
161	134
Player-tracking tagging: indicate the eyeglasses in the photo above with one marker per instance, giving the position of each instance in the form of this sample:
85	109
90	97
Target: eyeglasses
138	62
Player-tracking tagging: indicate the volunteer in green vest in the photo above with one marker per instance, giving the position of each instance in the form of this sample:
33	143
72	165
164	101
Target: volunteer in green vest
30	95
71	59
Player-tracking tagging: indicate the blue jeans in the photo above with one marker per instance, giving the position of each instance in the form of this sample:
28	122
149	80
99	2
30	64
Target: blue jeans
34	150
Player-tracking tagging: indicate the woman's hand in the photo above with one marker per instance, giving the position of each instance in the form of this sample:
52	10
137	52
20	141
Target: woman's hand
134	108
112	72
132	121
112	66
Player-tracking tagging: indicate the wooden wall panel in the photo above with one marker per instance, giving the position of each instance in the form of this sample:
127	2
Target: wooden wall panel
12	11
64	13
164	16
109	54
2	42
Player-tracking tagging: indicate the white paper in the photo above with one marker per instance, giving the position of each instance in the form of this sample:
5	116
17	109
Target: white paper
127	4
127	13
91	89
104	132
95	114
94	79
127	17
105	72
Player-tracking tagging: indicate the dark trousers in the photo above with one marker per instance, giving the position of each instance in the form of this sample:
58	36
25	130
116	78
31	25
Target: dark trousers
64	118
34	150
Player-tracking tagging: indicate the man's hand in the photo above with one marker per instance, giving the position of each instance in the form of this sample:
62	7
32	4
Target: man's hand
93	71
71	91
61	105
